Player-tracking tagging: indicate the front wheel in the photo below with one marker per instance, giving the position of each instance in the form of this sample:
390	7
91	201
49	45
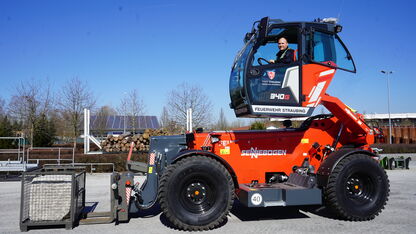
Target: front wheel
357	189
196	193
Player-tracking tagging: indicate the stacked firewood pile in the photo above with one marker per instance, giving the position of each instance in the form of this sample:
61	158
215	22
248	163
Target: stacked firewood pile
122	142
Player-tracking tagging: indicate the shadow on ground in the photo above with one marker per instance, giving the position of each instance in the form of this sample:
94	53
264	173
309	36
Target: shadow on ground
89	207
151	212
10	177
320	211
165	221
265	213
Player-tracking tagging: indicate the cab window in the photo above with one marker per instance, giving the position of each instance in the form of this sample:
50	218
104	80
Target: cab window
269	48
269	51
328	49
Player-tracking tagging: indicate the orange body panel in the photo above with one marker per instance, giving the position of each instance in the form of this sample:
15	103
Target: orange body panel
252	154
315	83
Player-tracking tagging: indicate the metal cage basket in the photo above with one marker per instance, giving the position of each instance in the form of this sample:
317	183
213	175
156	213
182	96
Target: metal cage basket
52	196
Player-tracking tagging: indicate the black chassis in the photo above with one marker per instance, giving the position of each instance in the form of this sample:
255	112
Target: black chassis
165	150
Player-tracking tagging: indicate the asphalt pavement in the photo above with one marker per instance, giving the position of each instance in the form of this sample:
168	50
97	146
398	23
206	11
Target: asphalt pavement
397	217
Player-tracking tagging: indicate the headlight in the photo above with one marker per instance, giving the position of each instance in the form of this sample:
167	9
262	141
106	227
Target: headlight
214	139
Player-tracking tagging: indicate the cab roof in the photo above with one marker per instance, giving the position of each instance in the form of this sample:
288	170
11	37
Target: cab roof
327	24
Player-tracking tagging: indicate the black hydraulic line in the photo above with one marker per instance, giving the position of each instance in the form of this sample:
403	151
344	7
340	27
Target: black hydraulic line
336	140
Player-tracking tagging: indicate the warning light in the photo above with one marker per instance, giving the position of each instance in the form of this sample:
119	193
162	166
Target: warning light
128	183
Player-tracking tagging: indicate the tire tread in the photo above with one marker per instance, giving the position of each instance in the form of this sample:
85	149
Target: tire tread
330	191
163	193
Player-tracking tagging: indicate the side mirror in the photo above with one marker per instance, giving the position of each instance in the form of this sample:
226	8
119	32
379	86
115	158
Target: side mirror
263	26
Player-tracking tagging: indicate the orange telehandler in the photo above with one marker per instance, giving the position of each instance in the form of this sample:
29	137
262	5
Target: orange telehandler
327	160
195	177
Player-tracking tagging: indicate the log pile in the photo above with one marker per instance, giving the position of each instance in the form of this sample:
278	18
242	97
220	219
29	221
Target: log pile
121	143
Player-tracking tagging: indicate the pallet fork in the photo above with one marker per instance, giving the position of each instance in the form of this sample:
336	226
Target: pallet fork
122	185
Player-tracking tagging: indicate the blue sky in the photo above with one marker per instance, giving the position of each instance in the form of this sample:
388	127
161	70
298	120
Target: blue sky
153	46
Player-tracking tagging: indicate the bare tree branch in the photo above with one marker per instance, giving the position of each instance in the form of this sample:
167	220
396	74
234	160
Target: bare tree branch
75	96
2	107
132	105
102	116
32	99
222	123
187	96
136	107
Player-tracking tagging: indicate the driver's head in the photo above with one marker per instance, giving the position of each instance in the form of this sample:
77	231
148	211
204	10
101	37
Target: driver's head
282	43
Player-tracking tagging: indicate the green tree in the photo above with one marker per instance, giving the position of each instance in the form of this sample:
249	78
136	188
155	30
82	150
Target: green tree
44	132
257	126
6	130
17	127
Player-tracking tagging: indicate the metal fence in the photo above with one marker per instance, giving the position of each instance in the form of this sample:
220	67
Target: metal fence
19	151
52	196
58	150
92	166
20	164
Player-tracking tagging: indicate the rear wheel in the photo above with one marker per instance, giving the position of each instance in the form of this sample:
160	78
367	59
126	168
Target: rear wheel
357	189
196	193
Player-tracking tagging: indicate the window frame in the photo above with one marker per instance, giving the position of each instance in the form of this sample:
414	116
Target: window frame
311	50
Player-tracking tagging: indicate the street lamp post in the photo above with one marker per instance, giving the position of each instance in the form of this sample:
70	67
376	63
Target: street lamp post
125	111
388	101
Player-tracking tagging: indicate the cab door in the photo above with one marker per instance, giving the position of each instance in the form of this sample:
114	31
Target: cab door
326	53
274	89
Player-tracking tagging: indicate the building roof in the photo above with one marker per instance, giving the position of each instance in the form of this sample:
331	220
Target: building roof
116	122
392	116
366	116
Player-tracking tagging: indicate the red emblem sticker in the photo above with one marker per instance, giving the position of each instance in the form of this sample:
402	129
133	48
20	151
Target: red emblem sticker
271	74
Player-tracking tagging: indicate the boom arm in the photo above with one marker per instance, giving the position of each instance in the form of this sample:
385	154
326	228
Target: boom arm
353	121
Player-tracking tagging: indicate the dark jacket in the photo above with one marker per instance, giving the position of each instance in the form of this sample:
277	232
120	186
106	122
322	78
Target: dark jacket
285	56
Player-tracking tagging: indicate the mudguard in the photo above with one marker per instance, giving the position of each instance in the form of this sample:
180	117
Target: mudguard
187	153
333	159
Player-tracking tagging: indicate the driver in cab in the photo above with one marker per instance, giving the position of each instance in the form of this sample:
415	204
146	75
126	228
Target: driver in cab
285	54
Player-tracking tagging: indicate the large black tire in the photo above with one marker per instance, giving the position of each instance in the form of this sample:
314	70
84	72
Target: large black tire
196	193
357	189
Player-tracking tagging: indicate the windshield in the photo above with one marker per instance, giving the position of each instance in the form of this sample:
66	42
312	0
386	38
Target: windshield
237	75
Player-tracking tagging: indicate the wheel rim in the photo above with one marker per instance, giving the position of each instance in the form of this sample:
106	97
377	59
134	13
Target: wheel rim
197	195
360	188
